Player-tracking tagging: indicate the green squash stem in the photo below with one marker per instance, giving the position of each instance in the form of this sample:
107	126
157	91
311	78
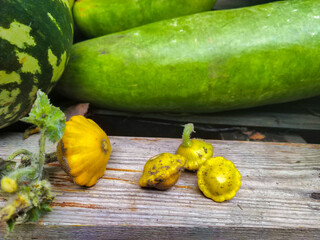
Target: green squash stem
188	129
41	157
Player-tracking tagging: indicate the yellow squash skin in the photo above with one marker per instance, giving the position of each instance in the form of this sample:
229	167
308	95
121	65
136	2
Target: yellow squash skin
84	151
219	179
9	185
162	171
198	152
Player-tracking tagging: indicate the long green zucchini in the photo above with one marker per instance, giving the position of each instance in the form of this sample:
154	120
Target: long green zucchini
207	62
96	18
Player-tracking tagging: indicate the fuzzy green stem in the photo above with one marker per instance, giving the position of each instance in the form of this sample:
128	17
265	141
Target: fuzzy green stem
51	157
19	152
188	129
26	174
41	157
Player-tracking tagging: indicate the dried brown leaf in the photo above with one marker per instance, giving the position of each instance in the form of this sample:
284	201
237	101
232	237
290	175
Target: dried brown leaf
79	109
257	136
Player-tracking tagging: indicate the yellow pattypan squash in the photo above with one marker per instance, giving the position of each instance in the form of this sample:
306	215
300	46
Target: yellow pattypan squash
84	151
162	171
219	179
196	151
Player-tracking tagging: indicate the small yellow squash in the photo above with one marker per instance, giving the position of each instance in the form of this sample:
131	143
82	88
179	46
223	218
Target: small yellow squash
196	151
9	185
84	151
219	179
162	171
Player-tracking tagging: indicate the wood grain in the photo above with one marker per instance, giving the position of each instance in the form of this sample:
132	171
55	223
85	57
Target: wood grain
278	199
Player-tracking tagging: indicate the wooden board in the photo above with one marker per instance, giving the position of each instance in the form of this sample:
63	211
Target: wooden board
279	197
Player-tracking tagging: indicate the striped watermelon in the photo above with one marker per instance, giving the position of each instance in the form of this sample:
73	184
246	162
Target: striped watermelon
35	42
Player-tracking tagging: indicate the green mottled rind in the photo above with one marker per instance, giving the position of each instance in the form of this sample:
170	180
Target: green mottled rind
207	62
35	45
100	17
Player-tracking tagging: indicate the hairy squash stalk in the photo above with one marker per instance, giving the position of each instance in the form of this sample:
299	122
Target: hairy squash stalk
30	192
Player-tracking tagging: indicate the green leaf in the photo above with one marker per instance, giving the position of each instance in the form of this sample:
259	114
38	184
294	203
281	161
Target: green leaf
46	208
49	118
11	223
35	213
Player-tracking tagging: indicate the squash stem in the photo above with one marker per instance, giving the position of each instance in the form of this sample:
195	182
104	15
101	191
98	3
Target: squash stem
41	157
19	152
188	129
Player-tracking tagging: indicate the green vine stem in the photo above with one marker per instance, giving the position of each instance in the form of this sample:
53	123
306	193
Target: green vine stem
20	152
188	129
42	154
32	196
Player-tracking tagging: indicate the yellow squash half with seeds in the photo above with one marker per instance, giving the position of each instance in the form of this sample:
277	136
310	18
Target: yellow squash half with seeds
84	151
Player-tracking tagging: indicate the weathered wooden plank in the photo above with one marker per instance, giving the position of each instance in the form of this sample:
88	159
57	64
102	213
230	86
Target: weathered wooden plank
90	232
279	196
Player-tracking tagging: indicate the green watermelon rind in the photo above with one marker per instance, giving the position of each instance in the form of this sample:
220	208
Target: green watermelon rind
35	44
